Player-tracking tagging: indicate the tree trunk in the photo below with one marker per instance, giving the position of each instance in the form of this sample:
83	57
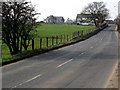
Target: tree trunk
95	23
15	50
25	44
21	45
10	48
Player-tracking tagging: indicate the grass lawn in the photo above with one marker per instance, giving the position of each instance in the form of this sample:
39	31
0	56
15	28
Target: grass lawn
47	30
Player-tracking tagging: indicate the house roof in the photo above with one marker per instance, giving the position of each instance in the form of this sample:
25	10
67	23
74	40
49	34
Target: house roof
87	15
59	18
56	17
84	15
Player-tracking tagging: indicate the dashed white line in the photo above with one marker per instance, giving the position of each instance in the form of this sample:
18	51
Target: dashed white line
33	78
91	47
82	53
26	81
64	63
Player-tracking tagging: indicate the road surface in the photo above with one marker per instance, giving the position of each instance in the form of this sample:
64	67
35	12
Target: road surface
87	64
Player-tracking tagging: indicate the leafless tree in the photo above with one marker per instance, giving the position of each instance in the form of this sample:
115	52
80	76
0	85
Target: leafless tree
98	11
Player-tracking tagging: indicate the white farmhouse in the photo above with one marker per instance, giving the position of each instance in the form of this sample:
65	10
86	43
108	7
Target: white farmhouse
54	20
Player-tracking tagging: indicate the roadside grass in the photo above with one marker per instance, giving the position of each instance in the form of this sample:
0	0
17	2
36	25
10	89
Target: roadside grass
47	30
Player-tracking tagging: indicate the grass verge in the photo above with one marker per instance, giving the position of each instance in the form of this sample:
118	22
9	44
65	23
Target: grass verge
46	30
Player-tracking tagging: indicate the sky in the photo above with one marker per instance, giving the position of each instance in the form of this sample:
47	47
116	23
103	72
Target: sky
70	8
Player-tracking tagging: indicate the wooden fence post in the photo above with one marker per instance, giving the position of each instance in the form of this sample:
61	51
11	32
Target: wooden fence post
46	41
33	44
78	33
61	38
67	37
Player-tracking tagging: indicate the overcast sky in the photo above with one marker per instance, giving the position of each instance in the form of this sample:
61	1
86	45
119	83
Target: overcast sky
70	8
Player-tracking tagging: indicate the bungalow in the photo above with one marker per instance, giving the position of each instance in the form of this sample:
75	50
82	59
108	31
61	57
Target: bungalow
83	18
109	21
54	20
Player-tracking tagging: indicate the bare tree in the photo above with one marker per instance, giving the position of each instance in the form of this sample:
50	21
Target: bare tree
18	21
98	11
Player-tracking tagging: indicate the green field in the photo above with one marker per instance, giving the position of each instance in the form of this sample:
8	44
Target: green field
59	29
48	30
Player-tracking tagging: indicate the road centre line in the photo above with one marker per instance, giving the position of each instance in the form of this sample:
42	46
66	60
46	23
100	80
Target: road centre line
64	63
91	47
27	81
83	53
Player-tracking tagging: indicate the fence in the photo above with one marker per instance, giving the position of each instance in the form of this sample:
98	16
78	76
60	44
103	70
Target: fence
48	43
53	41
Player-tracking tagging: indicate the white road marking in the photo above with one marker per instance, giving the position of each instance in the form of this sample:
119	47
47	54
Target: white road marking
64	63
82	53
26	81
91	47
101	39
46	53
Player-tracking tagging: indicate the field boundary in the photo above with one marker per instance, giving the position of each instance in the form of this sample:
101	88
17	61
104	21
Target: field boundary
37	52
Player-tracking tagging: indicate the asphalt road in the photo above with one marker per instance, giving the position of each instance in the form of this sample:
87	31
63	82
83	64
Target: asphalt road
87	64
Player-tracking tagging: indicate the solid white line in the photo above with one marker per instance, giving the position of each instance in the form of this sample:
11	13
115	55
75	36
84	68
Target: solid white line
64	63
27	81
